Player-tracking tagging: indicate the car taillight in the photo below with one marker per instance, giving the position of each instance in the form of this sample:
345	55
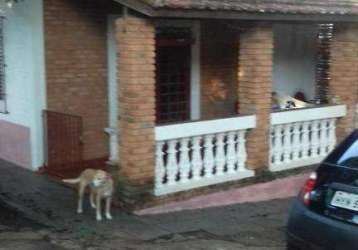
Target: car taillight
308	188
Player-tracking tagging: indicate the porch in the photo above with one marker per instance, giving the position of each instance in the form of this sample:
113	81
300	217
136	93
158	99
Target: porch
197	107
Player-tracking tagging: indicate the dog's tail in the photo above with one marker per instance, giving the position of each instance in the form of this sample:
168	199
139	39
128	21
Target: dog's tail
72	181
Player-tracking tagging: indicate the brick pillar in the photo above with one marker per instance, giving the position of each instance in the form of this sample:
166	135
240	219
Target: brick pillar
255	87
136	62
344	74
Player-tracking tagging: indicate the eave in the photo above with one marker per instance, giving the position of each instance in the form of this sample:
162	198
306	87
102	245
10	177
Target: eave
149	11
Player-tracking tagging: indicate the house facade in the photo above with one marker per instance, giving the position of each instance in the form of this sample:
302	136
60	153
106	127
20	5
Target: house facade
23	87
177	95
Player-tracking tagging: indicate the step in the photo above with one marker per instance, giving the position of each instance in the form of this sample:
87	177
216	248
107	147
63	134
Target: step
277	189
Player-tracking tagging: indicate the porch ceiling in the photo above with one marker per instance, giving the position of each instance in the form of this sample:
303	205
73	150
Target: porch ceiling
330	10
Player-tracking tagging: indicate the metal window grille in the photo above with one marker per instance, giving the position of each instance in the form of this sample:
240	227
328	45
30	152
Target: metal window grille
2	68
325	36
173	75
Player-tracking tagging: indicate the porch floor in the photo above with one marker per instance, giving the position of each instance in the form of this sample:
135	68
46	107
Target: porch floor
277	189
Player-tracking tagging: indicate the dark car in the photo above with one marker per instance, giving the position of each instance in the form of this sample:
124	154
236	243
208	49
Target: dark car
325	213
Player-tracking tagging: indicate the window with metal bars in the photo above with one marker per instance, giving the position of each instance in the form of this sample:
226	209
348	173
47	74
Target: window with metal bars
173	53
2	69
325	36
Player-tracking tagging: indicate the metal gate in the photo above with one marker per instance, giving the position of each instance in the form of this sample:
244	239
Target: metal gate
63	140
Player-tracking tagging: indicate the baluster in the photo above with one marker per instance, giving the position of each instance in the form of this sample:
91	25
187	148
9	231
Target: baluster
323	138
159	165
241	150
305	144
287	146
230	154
184	161
296	141
315	138
327	141
172	165
271	140
220	154
277	145
209	156
332	140
197	162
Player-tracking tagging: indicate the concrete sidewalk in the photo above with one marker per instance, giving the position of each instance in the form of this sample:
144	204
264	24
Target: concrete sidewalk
240	226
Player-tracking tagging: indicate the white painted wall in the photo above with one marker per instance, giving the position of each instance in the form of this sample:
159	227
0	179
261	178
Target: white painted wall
295	59
112	130
25	71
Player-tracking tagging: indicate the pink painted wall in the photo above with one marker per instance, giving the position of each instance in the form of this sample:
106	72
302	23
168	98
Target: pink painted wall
15	144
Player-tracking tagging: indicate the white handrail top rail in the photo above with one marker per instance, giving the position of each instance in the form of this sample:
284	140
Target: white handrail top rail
182	130
308	114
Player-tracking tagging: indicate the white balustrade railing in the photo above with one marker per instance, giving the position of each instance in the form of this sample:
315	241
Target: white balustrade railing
198	154
303	137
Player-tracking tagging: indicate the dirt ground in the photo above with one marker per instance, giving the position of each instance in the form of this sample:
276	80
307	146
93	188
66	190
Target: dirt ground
37	213
224	228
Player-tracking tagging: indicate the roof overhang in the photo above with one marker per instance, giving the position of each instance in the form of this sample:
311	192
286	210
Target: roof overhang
139	6
148	10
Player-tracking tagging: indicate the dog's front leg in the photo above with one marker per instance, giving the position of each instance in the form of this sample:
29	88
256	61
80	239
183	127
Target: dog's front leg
108	208
98	208
80	198
92	195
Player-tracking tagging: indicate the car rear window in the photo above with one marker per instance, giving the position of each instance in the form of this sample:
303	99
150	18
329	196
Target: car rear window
346	154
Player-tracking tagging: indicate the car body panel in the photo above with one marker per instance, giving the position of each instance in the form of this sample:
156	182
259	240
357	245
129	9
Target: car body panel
310	230
319	224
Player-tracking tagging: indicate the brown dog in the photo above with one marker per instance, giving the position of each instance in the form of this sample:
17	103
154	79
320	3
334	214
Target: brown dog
101	187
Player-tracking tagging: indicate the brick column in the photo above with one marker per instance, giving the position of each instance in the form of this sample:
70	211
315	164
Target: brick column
136	62
344	74
255	87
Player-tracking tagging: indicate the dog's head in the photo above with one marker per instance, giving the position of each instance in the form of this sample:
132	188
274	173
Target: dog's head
100	178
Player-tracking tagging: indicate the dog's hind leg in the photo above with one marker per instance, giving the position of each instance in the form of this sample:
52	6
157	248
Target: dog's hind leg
93	205
108	208
81	191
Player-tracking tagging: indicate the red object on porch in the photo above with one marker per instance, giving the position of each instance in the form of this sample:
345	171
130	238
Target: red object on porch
299	95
